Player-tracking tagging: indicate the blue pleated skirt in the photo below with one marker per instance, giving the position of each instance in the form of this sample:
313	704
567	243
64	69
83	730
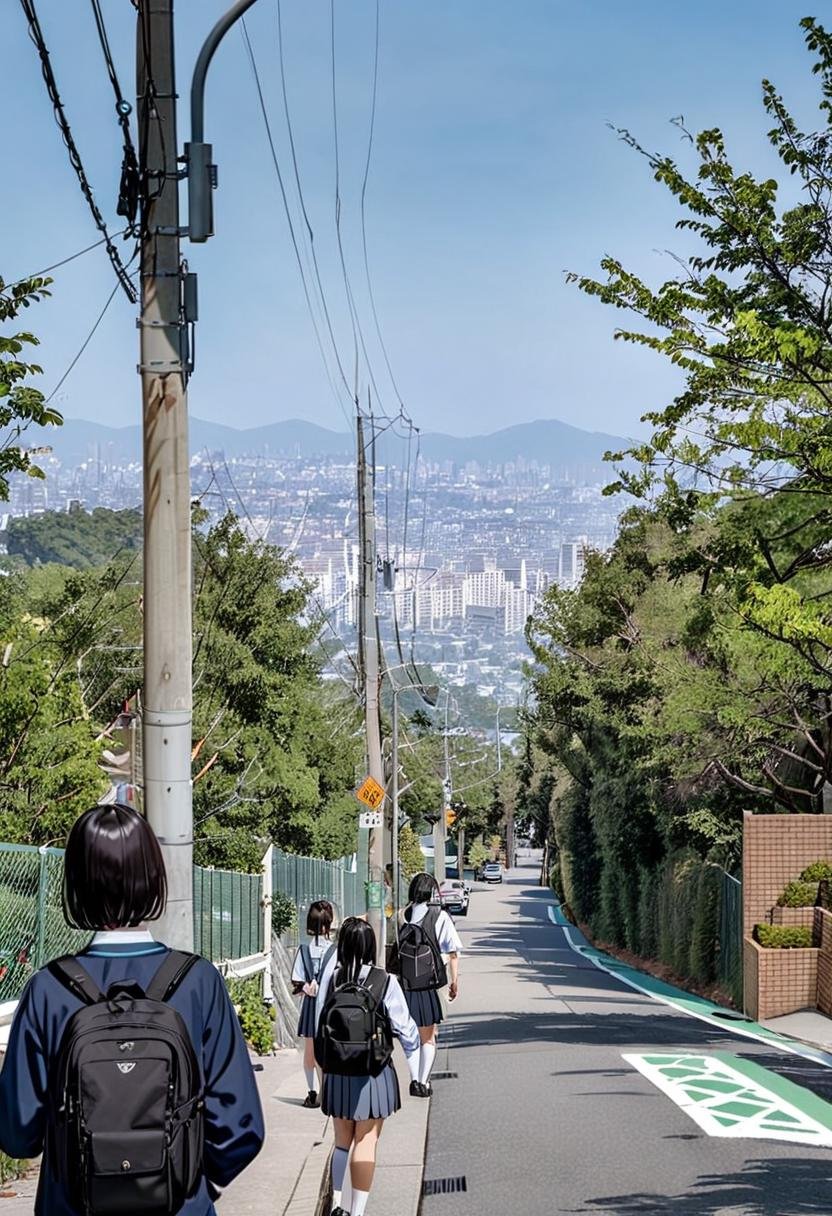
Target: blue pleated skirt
306	1023
425	1007
361	1097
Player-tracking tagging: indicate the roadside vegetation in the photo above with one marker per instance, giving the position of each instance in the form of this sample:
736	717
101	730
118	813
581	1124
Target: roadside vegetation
687	679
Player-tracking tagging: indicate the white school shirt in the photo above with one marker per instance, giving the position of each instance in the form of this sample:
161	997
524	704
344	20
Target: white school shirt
404	1028
317	949
446	934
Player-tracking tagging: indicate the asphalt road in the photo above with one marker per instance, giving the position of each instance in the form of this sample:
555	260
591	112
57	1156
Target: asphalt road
543	1114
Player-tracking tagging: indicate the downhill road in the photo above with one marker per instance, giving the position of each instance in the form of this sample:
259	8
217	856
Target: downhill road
537	1110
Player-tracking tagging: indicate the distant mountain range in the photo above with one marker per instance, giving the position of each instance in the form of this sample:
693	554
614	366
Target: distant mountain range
548	441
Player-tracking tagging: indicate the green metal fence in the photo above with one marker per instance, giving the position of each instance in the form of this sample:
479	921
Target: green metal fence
729	961
305	879
228	914
32	926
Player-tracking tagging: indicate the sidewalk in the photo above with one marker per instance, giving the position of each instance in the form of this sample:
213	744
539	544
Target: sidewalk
807	1025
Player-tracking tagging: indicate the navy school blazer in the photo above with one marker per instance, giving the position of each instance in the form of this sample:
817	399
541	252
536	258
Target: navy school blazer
233	1115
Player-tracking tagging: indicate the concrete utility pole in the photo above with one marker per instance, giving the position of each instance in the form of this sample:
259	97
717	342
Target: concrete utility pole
369	668
440	829
166	702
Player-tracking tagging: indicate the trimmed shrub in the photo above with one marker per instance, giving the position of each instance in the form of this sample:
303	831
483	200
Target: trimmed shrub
817	872
783	937
798	894
648	912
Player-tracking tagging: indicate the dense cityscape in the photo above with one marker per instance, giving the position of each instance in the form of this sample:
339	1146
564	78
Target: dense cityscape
465	550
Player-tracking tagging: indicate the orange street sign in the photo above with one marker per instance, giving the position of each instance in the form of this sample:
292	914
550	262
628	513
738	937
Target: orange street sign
370	793
450	818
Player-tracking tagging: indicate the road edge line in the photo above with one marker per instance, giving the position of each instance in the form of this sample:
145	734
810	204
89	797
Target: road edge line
761	1035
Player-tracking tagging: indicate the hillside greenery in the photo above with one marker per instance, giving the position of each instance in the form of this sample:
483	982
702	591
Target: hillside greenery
79	539
687	679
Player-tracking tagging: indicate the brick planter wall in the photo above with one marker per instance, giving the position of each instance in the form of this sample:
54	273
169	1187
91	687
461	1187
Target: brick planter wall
793	916
779	981
823	936
775	849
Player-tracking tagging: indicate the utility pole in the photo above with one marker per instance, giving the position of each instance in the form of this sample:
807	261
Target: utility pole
369	667
166	702
440	828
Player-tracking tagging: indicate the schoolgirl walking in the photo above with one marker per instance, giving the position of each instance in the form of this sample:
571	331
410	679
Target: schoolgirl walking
310	960
426	937
360	1009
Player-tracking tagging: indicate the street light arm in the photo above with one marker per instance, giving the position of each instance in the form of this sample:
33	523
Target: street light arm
204	62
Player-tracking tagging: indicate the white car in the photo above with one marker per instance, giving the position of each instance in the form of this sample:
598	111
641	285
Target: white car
454	896
492	871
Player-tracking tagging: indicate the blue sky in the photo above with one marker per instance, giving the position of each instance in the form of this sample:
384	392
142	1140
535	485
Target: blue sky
493	172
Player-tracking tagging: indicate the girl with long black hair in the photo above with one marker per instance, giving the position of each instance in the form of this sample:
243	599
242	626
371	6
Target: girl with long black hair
426	1004
359	1105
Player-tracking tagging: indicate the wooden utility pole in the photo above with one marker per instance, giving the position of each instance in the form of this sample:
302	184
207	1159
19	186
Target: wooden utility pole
166	701
369	668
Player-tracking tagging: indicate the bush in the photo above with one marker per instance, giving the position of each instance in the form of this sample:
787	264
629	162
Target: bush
10	1169
648	912
817	872
798	894
783	937
284	914
256	1016
705	931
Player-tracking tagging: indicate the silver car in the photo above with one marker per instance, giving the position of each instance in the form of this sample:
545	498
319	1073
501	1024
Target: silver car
492	871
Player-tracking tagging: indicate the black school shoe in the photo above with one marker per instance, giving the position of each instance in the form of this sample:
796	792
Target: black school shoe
339	1212
417	1090
312	1100
427	1090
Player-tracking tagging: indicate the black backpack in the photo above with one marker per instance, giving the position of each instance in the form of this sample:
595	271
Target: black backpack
126	1123
420	964
354	1037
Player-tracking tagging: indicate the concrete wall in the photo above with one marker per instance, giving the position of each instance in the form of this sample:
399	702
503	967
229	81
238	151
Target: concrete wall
775	849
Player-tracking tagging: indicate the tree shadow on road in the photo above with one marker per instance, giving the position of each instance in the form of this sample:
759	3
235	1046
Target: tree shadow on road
779	1187
616	1029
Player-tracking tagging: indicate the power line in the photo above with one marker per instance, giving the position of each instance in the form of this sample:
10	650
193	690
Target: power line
284	197
36	35
347	288
130	184
86	341
63	262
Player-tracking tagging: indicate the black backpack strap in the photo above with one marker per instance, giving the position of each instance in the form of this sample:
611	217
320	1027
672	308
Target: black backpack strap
69	972
170	975
376	984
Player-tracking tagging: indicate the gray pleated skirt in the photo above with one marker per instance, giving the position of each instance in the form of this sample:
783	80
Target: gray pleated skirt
306	1023
361	1097
425	1007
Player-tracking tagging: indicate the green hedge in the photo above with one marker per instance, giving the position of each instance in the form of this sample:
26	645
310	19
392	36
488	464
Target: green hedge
817	871
256	1016
784	937
798	894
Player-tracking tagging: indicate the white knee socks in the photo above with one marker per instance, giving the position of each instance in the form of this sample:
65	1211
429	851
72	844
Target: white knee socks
427	1056
359	1202
340	1157
311	1081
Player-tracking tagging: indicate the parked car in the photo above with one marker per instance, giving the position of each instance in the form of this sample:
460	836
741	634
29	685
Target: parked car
454	896
492	871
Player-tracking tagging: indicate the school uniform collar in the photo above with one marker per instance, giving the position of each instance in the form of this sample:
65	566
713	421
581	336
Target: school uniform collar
123	937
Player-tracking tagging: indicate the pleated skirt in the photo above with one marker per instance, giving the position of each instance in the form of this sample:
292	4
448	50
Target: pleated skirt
306	1023
425	1007
361	1097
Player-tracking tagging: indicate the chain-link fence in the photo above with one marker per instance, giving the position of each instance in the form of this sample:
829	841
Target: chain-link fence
228	914
302	880
32	926
729	960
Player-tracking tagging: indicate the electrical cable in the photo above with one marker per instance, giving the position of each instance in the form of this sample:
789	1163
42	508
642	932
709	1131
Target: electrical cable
63	262
370	292
87	340
130	184
347	288
36	35
284	197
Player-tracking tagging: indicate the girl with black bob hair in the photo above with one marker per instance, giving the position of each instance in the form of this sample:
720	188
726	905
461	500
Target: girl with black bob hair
310	960
114	884
427	1005
359	1105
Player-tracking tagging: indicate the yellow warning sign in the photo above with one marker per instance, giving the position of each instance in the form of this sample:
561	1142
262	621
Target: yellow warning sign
370	793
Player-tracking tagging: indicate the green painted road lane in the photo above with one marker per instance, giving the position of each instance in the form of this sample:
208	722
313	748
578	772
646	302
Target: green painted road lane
541	1105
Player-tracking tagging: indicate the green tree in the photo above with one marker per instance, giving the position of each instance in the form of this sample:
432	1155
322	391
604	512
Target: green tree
410	852
21	405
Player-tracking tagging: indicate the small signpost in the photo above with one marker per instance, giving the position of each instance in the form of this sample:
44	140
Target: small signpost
371	819
370	793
